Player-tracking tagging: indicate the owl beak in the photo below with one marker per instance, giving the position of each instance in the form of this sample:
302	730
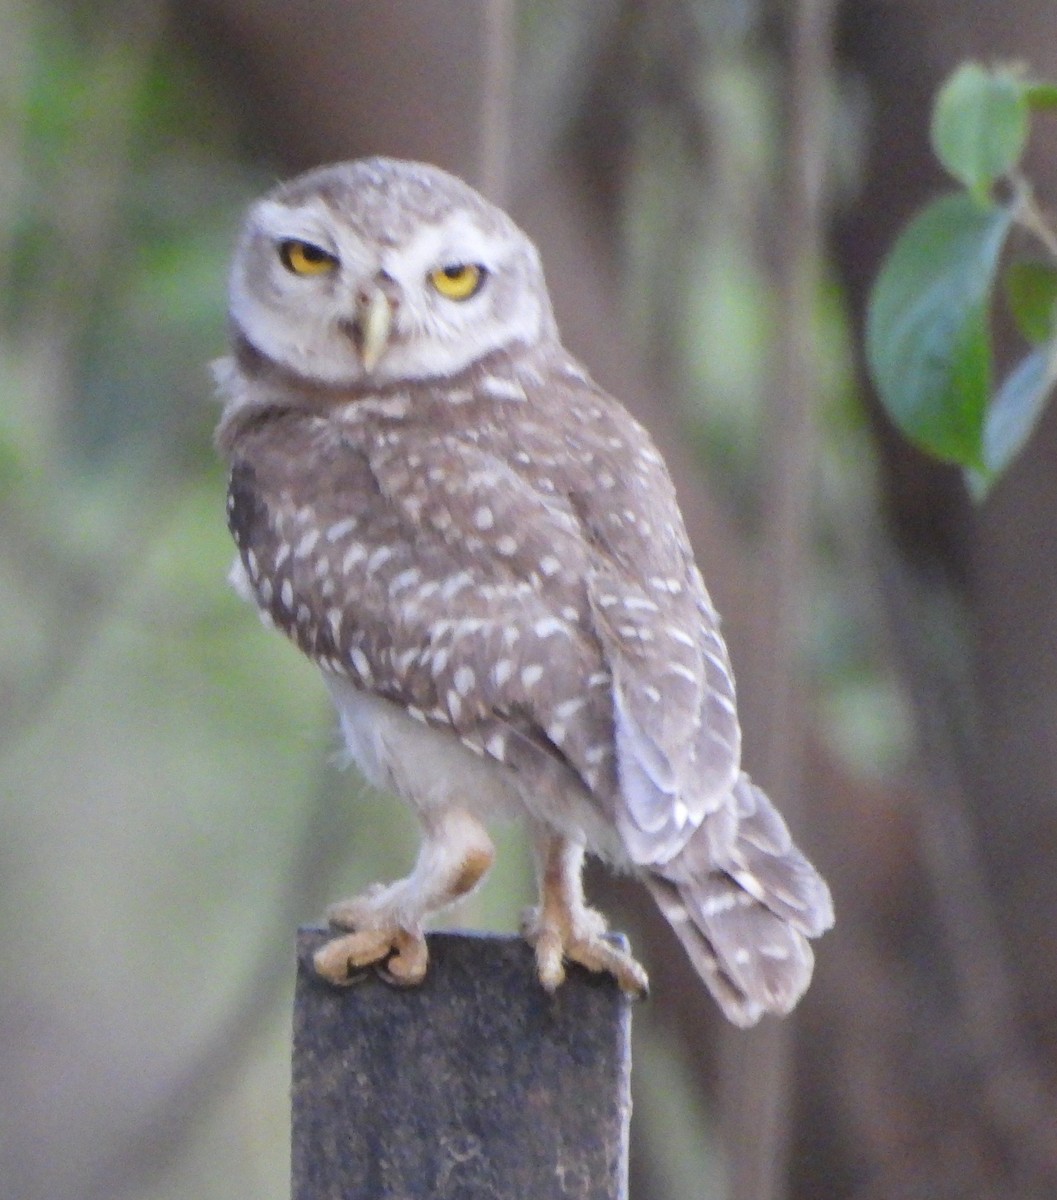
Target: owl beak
370	330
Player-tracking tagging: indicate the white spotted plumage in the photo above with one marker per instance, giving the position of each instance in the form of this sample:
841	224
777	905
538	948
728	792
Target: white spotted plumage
434	501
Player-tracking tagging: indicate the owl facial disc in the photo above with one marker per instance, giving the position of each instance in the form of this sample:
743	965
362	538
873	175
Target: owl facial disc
377	272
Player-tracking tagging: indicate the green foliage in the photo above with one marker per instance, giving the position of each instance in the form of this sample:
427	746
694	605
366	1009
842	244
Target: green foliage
1014	412
1031	295
980	126
928	337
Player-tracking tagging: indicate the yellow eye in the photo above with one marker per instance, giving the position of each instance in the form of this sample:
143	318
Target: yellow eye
304	258
460	281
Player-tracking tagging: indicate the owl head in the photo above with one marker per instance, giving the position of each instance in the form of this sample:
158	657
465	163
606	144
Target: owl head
381	270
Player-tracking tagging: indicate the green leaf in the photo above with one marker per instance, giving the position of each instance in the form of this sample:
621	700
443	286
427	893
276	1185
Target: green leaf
980	125
1016	409
927	343
1031	293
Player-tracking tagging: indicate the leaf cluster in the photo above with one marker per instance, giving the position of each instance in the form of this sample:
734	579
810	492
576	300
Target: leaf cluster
930	316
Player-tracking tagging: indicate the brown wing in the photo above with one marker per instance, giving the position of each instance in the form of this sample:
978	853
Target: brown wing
676	730
374	553
511	567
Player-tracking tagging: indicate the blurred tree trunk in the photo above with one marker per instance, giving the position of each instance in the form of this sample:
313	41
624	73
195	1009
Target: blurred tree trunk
957	1098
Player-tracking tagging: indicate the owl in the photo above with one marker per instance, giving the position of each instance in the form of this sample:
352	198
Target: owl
483	554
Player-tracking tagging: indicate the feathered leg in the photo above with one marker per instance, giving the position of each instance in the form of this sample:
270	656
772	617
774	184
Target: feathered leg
386	921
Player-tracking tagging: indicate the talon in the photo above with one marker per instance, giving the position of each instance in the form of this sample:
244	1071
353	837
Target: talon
600	955
594	955
407	966
554	946
549	955
339	960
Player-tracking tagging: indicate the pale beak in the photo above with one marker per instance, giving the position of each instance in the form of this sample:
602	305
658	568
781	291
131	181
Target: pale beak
374	320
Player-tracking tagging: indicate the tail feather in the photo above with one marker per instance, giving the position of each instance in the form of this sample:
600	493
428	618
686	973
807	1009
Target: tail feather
745	921
736	1004
764	860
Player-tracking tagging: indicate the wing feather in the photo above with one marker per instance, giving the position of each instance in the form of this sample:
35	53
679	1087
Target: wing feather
491	575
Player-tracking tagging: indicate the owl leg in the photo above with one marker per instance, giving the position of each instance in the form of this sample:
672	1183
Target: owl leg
563	927
385	923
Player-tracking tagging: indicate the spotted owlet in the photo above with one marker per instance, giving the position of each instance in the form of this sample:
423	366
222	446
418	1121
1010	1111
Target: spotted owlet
482	552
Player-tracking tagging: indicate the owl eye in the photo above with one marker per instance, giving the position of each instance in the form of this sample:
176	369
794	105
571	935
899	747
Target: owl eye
459	281
304	258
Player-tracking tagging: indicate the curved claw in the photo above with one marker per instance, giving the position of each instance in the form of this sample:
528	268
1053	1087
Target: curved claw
402	951
555	945
598	954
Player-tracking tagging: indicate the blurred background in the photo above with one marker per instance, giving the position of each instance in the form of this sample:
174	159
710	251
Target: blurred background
713	184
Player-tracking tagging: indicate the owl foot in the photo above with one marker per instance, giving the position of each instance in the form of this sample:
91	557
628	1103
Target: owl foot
384	923
558	937
562	927
403	951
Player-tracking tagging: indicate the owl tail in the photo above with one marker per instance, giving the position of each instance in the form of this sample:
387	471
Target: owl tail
745	913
